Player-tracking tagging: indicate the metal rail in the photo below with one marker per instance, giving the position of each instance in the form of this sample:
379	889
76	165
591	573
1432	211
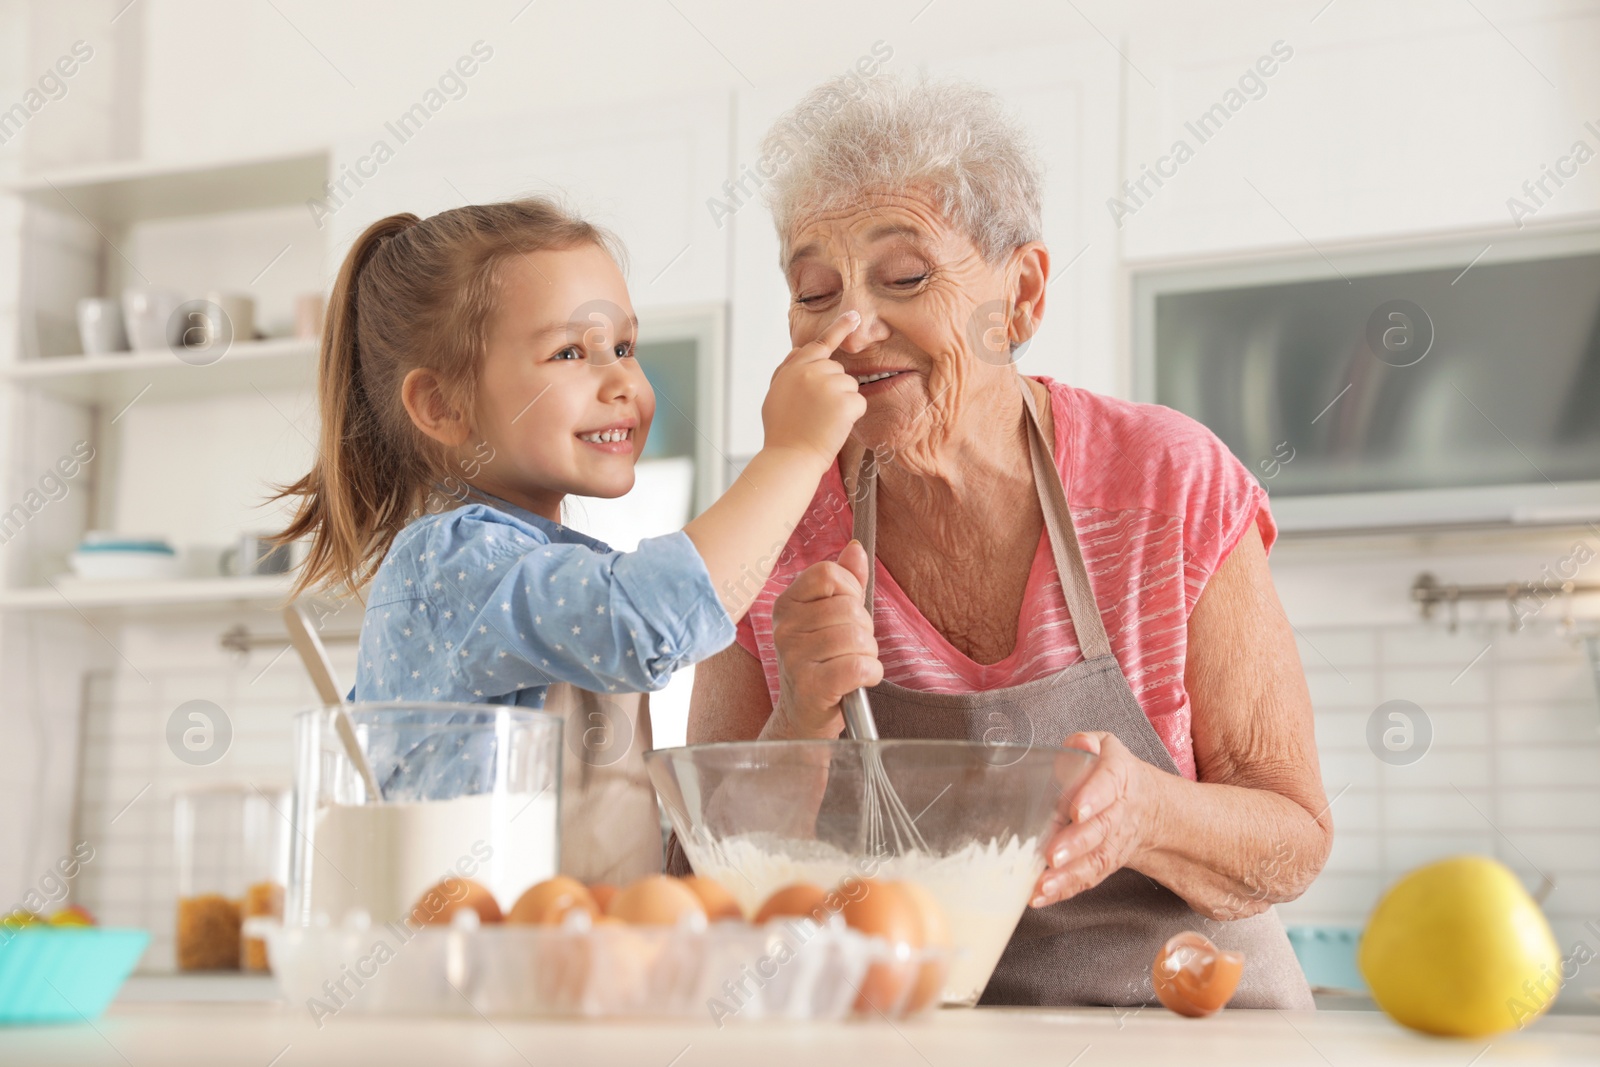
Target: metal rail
240	639
1428	593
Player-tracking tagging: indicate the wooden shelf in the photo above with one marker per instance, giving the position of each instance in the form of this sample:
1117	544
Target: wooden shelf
71	594
116	379
120	194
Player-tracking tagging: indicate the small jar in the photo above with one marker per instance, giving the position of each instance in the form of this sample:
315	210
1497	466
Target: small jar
231	845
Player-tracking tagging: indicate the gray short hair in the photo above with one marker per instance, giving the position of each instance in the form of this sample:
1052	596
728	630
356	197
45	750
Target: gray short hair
848	137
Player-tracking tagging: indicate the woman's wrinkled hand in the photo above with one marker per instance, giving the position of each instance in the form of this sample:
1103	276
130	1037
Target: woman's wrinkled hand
825	646
1112	815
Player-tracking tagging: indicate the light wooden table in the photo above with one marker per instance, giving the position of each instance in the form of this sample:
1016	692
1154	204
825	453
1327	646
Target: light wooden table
281	1035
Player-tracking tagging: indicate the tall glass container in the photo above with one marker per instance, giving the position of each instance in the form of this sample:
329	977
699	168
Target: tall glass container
468	791
231	848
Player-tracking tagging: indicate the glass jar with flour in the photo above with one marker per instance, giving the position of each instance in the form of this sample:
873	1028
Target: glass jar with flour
464	791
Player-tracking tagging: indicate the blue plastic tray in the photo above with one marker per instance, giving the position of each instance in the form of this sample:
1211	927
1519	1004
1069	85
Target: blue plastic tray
1328	955
64	974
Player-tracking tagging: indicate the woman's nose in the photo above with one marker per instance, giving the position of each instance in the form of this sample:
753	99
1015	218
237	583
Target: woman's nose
870	330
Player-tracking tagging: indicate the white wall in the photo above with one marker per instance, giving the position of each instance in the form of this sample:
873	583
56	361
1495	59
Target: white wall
1389	121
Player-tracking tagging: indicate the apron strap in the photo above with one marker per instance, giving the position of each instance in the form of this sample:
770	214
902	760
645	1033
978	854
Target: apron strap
1074	574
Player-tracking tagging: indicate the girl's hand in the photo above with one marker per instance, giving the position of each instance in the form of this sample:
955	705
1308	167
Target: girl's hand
1112	812
813	402
809	410
825	644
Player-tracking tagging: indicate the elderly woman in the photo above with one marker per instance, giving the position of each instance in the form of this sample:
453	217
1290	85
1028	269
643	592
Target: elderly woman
1068	568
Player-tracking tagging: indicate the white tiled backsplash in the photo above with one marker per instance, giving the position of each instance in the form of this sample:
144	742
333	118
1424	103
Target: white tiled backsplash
1513	770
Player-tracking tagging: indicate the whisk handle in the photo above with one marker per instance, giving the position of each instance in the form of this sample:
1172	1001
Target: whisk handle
858	720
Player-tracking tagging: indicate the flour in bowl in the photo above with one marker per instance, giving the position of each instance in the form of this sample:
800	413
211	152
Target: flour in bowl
983	888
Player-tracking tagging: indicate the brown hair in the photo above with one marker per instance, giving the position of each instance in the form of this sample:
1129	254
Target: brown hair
411	293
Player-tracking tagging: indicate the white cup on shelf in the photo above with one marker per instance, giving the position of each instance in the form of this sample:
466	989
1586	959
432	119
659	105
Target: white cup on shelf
147	313
231	317
100	327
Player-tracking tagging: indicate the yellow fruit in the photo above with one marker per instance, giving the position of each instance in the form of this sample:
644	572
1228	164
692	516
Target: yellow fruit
1459	948
18	919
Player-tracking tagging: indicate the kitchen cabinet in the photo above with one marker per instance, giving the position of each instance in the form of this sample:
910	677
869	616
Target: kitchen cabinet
644	171
1423	121
88	231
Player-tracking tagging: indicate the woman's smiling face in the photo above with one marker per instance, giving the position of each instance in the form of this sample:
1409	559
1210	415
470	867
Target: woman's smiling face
932	313
562	402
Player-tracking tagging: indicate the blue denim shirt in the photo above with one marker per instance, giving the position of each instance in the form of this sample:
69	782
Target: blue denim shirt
490	603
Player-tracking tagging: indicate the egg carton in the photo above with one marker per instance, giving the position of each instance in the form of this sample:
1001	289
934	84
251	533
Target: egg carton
722	972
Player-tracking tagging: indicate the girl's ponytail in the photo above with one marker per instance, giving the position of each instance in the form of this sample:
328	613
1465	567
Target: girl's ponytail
351	492
411	294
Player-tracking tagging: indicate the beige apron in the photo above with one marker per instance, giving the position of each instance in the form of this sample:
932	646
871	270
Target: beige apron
1096	947
610	825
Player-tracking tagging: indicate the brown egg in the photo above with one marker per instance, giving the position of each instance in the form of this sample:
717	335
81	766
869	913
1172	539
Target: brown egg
802	900
440	903
1193	977
717	901
931	974
656	900
547	903
602	893
884	910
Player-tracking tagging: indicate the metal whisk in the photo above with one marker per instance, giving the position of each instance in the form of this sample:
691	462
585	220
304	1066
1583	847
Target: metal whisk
886	815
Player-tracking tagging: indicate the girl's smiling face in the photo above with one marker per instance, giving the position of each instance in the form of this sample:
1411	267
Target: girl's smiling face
562	404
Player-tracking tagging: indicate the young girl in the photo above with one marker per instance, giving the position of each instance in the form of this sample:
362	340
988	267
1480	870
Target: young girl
478	367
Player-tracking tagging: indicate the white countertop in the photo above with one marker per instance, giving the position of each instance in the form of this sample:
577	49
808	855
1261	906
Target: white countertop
134	1034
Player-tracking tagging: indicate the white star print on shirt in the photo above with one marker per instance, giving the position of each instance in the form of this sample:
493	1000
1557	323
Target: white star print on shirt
497	555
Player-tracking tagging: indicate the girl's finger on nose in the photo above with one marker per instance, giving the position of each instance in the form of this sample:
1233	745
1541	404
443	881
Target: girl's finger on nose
823	345
837	331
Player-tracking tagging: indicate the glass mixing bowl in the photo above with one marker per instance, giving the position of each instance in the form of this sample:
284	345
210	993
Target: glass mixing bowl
760	815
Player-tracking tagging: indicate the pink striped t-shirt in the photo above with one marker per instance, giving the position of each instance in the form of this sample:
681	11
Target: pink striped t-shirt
1158	502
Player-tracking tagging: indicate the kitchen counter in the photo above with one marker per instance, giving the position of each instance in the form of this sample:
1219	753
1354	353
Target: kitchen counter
133	1034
